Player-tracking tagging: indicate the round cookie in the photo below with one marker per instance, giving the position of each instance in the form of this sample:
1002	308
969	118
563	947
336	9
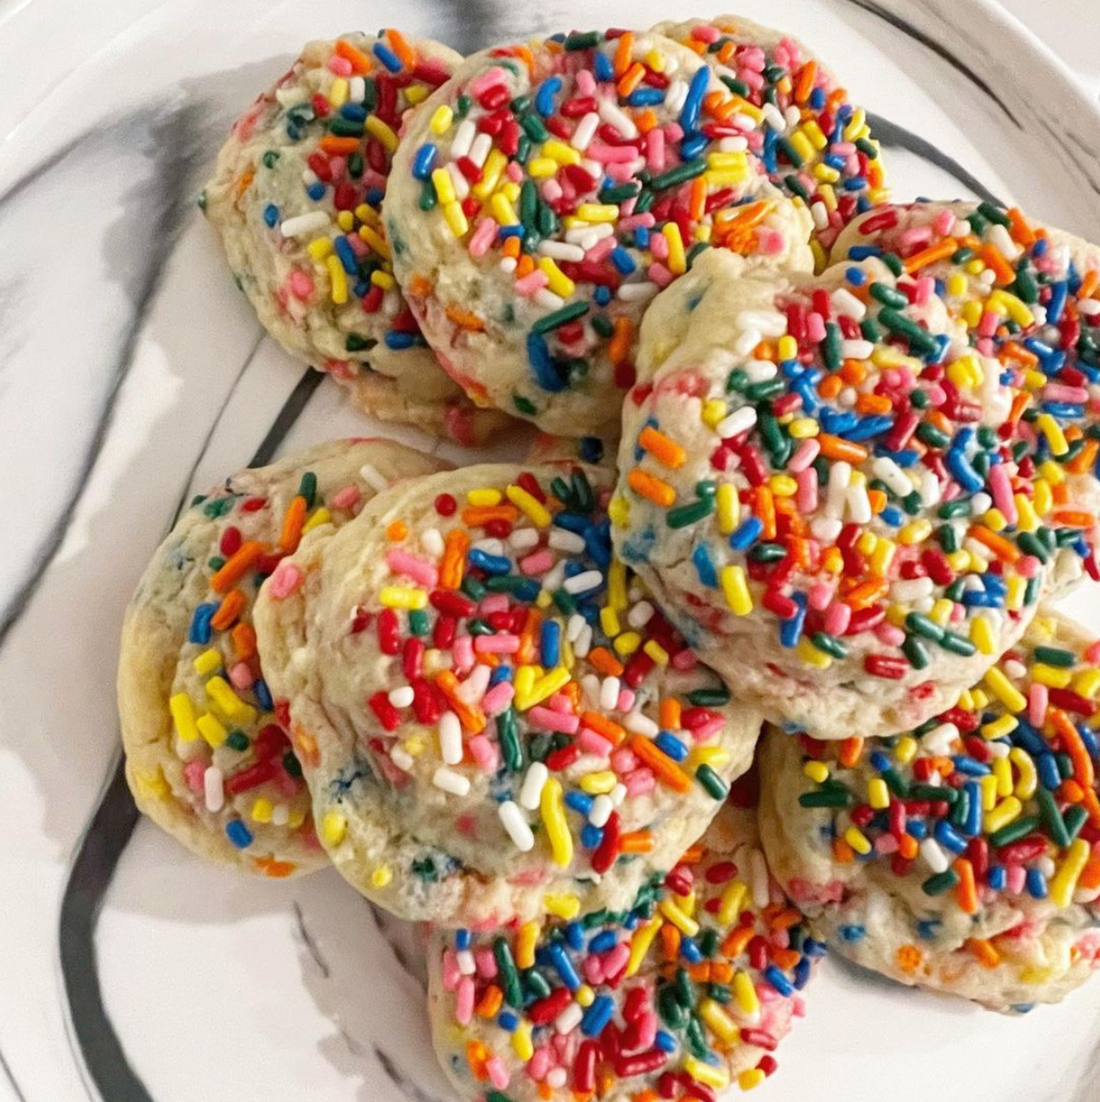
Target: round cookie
963	856
207	756
493	719
852	490
688	992
813	142
547	192
296	198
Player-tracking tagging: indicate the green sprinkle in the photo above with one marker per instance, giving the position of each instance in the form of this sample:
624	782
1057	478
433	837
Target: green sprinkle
418	622
826	798
694	511
307	488
888	296
941	882
830	349
1056	656
524	405
687	171
509	977
934	792
920	339
957	644
920	624
1075	818
1052	817
916	652
1014	831
511	747
994	214
569	312
356	343
583	40
830	644
714	785
1030	544
715	697
928	434
237	740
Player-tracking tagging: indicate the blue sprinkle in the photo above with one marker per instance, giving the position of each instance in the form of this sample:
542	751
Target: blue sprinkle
646	97
671	746
970	766
641	237
949	837
1036	884
802	972
200	624
597	1016
862	252
564	966
779	981
597	542
690	148
853	933
855	183
508	1021
746	534
343	251
491	564
1088	737
355	112
387	57
262	694
855	276
580	802
602	296
812	948
546	374
1026	736
1046	765
316	191
704	567
424	161
550	642
693	102
1057	301
603	941
893	516
790	630
399	341
462	940
622	260
501	673
665	1041
879	760
927	928
690	951
591	836
238	834
572	522
918	828
973	824
591	449
574	935
868	427
374	197
544	97
271	214
603	67
997	877
1064	410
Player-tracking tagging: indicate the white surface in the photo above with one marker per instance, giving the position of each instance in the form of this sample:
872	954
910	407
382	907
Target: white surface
208	982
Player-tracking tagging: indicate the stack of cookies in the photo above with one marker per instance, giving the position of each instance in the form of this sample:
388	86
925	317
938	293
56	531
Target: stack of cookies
812	465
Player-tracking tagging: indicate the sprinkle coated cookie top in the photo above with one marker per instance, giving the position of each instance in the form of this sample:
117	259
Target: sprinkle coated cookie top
984	821
685	994
493	717
855	488
550	190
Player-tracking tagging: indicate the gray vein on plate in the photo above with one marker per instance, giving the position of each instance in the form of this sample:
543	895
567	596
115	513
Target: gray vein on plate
310	942
400	1080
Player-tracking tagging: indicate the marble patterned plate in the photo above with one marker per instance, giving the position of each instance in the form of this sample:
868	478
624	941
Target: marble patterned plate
131	373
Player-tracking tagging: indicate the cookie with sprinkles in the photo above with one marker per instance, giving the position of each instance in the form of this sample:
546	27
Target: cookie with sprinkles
296	198
207	754
852	490
963	856
493	718
548	191
687	993
811	140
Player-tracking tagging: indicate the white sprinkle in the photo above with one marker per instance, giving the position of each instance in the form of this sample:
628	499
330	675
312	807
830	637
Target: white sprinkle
980	503
560	250
373	477
280	815
745	343
825	529
531	790
516	826
569	1019
859	504
357	89
925	605
933	855
1014	669
641	724
401	697
759	869
998	235
914	589
639	614
601	810
741	420
840	474
820	214
792	115
523	538
551	580
614	115
637	292
464	138
302	224
586	131
609	692
490	545
473	688
450	781
584	642
464	958
759	371
508	264
774	117
450	738
402	759
480	149
1089	306
618	794
897	481
930	489
938	741
573	627
213	788
584	581
587	236
561	539
735	145
856	349
547	299
432	542
556	1078
770	323
590	683
458	181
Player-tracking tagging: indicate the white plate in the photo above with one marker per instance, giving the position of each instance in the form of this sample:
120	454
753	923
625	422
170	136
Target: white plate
132	373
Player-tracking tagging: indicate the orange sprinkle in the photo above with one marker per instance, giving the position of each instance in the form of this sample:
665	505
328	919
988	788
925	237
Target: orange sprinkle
401	47
785	919
490	1003
637	841
231	607
804	85
526	652
786	958
1060	493
736	940
511	247
668	714
721	971
618	348
1083	771
700	972
630	79
396	531
477	1055
605	662
965	891
291	534
940	251
843	854
907	847
670	942
909	958
420	286
1003	272
360	61
465	319
984	950
1090	875
646	120
305	745
697	199
624	49
1083	461
836	447
333	143
244	641
872	403
525	265
477	516
236	566
662	765
764	507
1020	401
276	870
453	566
1004	549
850	751
244	181
878	501
470	716
604	726
663	448
1020	231
830	386
1089	284
650	487
1074	518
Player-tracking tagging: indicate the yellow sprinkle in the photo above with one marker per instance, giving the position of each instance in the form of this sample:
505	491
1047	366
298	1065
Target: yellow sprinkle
714	410
1000	727
812	656
295	819
566	155
584	995
817	771
345	220
1053	432
906	749
261	810
1064	881
640	943
916	531
616	585
782	485
1015	593
552	809
1027	520
521	1041
750	1078
227	702
728	507
378	129
402	596
529	505
525	680
441	119
1005	812
491	171
716	1077
456	218
596	783
540	167
1043	499
995	519
733	899
152	786
562	905
715	756
338	92
211	730
802	428
383	279
542	688
381	876
503	211
683	922
883	556
1004	690
1028	776
722	1025
319	248
318	517
609	621
677	261
183	716
941	612
627	643
857	840
1052	676
526	940
1002	770
982	635
852	131
878	795
376	241
802	145
484	497
557	280
656	652
1087	683
957	284
334	827
736	590
338	280
816	135
744	992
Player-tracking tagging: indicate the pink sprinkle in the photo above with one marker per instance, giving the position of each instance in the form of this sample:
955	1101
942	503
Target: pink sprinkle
463	651
807	492
944	222
915	235
837	617
539	1064
193	774
1092	655
707	730
485	962
1015	879
286	579
408	564
538	562
639	783
561	703
451	973
815	326
658	246
658	273
240	676
1037	704
622	172
646	220
464	1000
623	761
886	843
1059	392
626	207
301	285
339	65
674	132
987	327
497	699
926	286
1002	492
804	455
489	79
532	282
647	1030
602	247
615	960
820	596
626	700
958	614
1028	566
482	237
346	499
493	602
357	244
685	659
593	743
586	83
593	970
706	32
611	154
513	172
551	190
890	635
496	644
655	149
549	720
484	753
769	242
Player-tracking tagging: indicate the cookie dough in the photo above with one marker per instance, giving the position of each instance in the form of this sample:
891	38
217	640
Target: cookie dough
207	755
